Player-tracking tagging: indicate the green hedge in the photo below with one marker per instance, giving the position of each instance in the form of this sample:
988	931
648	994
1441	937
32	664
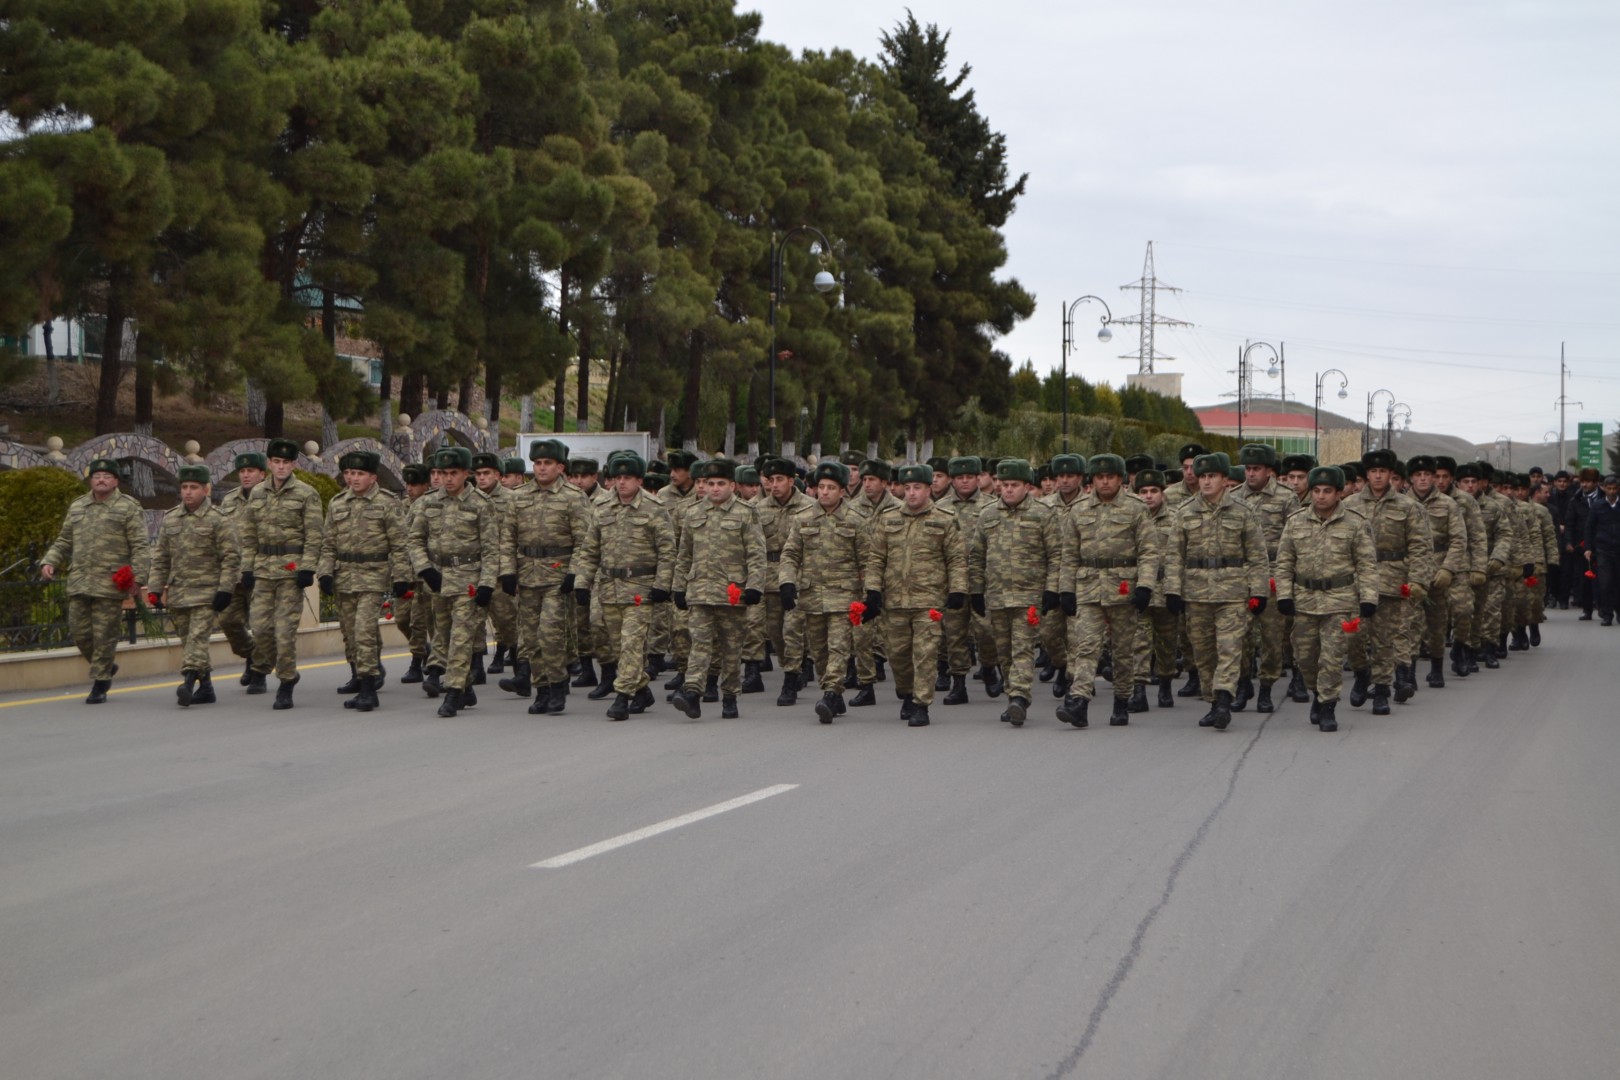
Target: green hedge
32	505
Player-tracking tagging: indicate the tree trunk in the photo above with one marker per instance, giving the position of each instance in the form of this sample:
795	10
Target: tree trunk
492	394
112	358
441	397
53	386
253	404
411	394
385	410
464	395
140	474
610	405
329	432
845	423
275	418
582	406
526	413
819	424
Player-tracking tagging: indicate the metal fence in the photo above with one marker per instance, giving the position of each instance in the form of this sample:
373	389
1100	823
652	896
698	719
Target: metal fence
33	611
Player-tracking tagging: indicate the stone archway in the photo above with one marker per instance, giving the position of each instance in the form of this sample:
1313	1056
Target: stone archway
126	446
429	430
15	455
221	460
390	463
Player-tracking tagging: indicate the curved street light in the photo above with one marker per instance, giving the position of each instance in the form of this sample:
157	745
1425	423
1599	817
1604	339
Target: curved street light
823	282
1103	335
1344	392
1366	429
1243	380
1504	445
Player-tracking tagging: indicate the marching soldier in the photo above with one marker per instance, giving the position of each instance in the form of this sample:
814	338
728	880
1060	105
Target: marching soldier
454	545
678	495
1295	473
196	564
1014	554
1465	587
582	475
1109	566
281	538
1176	494
1502	538
514	474
251	467
917	562
776	506
1157	628
1448	529
363	559
1547	562
748	488
719	569
629	555
1068	478
1216	571
826	551
489	473
1271	503
871	500
1326	569
964	501
413	613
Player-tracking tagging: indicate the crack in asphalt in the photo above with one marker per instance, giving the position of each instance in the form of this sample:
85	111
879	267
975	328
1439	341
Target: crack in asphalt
1123	970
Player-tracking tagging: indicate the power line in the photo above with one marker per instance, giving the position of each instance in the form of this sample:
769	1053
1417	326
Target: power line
1420	316
1381	262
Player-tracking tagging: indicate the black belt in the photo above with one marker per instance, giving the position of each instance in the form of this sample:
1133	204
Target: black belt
1391	556
1109	564
1323	584
773	556
620	572
1271	553
537	552
1441	545
1224	563
281	549
354	556
445	562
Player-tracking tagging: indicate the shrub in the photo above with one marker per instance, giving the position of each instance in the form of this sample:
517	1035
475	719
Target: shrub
32	505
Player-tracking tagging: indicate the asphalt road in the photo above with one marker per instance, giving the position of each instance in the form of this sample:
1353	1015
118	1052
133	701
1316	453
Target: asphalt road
234	892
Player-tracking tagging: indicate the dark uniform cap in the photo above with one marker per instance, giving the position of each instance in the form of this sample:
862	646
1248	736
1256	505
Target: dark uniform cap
1399	468
1210	465
1486	469
775	466
1468	470
1379	459
966	465
1191	450
1445	464
877	467
415	473
364	460
1146	478
103	464
252	459
1137	462
1226	462
654	481
988	465
852	458
1257	454
548	450
917	474
1236	474
626	464
485	460
583	466
717	469
1351	470
1106	465
453	457
1043	471
195	474
1297	463
747	474
1068	465
939	464
680	459
658	468
285	449
513	466
1326	474
1015	469
831	470
1420	463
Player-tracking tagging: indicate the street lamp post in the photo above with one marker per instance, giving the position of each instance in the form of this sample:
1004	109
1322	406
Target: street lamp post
1504	444
1103	335
824	282
1243	376
1405	412
1316	426
1366	429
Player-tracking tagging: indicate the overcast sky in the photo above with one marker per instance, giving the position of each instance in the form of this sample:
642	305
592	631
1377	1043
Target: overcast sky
1425	195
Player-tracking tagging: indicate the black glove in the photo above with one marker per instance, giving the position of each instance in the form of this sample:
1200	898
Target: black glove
955	601
1141	597
432	578
328	584
1069	603
1258	604
222	600
659	596
1285	606
400	589
568	583
977	600
1368	610
306	578
752	597
508	584
1049	602
582	597
246	584
1174	604
789	593
483	596
1529	570
680	600
874	604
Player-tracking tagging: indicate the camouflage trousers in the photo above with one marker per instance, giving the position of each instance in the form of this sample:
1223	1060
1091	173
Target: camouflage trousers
414	617
1267	639
590	631
194	626
828	639
958	625
357	615
545	615
1218	631
1092	626
1538	597
627	629
94	623
913	642
233	623
717	639
1385	640
1055	637
1488	614
783	629
1156	633
503	618
277	607
1518	612
1456	610
1320	644
458	632
868	643
1015	647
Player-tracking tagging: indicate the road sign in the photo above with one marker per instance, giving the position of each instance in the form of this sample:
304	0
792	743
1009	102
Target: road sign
1589	443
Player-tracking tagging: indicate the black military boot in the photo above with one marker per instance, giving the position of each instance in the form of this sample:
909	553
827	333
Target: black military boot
918	717
958	694
620	709
557	700
1167	698
1405	682
642	701
610	672
1192	688
477	676
807	671
1502	646
284	694
1073	711
451	704
1326	720
1017	711
882	676
542	700
907	706
1358	689
830	705
1485	654
851	680
182	693
497	663
1048	669
711	688
255	683
587	672
1262	703
1121	714
995	683
1296	688
1316	710
247	674
751	682
518	682
728	707
1208	719
1521	640
432	682
675	681
942	680
1138	702
1380	700
204	694
381	677
865	696
352	686
1535	635
1437	675
1221	714
366	700
689	702
1062	684
469	697
413	674
790	689
1105	666
1245	691
766	664
1459	661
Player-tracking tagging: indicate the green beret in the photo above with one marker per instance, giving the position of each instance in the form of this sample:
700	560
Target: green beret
195	474
1421	463
1467	470
939	464
1351	470
1257	454
681	459
626	464
1297	463
103	464
967	465
1191	450
285	449
548	450
1209	465
717	469
1378	459
1106	465
917	474
830	470
747	474
1146	478
453	457
1442	463
417	474
1015	469
513	466
1326	474
583	466
252	459
654	481
877	467
1068	465
364	460
1137	462
1235	474
776	466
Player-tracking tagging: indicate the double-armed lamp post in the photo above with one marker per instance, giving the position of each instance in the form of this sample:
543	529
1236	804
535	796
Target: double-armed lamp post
1104	335
1316	427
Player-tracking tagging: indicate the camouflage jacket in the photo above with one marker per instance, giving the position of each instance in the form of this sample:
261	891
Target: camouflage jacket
458	535
1216	554
721	545
195	557
1271	505
1327	566
917	559
1547	534
824	557
1401	540
96	539
281	527
364	542
1014	552
867	510
1108	548
1448	530
542	529
629	551
1529	534
775	522
1496	511
1474	523
1161	522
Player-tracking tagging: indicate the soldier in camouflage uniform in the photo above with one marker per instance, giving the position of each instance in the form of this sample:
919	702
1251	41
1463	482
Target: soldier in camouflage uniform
1449	530
1502	545
820	577
1157	628
1109	566
1069	475
1216	570
196	564
917	561
678	492
583	475
965	501
1176	494
489	473
514	475
720	569
363	559
1464	586
251	467
281	537
871	499
1547	549
1014	552
454	545
776	506
1271	503
1327	581
1532	561
628	558
413	613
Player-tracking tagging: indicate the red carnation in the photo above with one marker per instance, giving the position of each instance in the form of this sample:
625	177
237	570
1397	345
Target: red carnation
1124	588
933	613
153	598
1351	626
1530	581
1254	603
124	578
1591	574
733	594
637	599
1273	586
1406	590
290	566
410	594
856	610
556	566
1033	617
472	590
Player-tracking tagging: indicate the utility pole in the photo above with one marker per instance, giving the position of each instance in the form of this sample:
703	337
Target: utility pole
1149	286
1563	402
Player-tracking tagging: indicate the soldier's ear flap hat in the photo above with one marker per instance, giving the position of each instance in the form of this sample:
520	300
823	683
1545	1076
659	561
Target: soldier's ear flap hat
416	474
363	460
1106	465
583	466
835	471
939	464
513	466
1487	471
988	465
1146	478
195	474
1468	471
1442	462
1068	465
966	465
1421	463
1137	462
285	449
1043	472
1326	474
1015	469
1191	450
1351	470
102	464
484	460
776	466
877	467
549	450
1235	474
252	459
916	474
718	469
681	459
1379	459
626	465
453	457
1297	463
747	474
1257	454
1399	468
654	481
1210	465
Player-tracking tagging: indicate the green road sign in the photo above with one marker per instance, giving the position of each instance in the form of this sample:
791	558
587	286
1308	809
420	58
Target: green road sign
1589	441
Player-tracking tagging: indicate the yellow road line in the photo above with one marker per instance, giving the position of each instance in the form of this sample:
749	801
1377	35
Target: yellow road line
167	685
